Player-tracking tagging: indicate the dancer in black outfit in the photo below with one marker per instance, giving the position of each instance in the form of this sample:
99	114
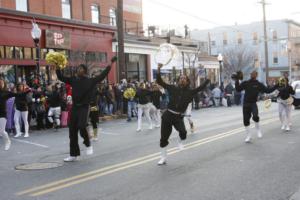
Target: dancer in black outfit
252	88
180	97
4	95
81	93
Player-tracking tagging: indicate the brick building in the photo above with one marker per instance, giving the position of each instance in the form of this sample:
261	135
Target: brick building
85	28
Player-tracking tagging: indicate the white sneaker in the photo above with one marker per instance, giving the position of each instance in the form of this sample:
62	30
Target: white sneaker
287	128
89	150
18	135
248	133
157	126
26	135
95	139
162	161
259	134
283	127
7	144
138	129
71	159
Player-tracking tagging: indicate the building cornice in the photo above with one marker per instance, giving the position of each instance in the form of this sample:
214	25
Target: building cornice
46	19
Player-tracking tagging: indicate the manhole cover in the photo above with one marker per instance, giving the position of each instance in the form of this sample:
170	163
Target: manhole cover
38	166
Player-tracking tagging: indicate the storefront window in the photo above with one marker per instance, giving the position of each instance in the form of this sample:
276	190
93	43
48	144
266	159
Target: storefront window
2	55
27	53
9	52
102	57
44	53
136	67
19	52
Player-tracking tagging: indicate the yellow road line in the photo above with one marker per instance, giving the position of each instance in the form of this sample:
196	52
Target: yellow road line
57	185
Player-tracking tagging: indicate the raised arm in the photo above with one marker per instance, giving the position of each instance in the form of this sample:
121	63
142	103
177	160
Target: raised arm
103	74
268	90
201	87
159	79
239	87
62	78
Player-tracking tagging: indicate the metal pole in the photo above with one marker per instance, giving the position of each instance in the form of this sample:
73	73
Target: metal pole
182	62
265	40
220	63
121	55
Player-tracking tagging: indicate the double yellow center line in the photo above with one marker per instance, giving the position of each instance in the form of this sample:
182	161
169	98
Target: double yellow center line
81	178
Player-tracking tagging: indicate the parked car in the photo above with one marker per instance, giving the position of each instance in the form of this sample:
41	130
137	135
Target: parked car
296	84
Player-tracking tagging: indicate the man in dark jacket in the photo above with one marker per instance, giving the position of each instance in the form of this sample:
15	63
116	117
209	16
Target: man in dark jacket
180	97
252	88
81	95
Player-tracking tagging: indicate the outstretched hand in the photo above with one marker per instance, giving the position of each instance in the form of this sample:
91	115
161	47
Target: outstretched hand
160	65
114	59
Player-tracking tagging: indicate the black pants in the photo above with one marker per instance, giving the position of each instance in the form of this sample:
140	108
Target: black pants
40	120
78	122
248	110
94	117
168	120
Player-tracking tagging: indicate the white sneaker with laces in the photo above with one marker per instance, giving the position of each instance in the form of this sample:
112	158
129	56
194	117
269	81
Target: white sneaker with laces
18	135
89	150
71	159
26	135
248	133
287	128
283	127
7	144
163	157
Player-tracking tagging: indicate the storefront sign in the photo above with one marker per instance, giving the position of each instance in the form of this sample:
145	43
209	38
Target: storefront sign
58	39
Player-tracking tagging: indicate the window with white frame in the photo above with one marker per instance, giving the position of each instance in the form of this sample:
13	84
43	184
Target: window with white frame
112	16
95	13
275	57
274	35
21	5
66	9
255	38
225	38
239	38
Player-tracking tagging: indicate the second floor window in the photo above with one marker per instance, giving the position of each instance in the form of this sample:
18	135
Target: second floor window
274	35
21	5
95	14
255	38
275	58
225	38
239	38
66	9
112	17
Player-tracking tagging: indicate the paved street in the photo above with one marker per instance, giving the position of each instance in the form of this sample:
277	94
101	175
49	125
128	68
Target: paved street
215	165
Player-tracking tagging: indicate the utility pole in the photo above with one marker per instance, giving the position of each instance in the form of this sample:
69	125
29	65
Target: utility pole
263	3
120	27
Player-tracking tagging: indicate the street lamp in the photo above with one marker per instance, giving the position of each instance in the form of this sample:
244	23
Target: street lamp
36	35
220	59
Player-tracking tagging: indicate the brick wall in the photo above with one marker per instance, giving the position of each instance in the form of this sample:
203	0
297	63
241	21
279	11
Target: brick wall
81	9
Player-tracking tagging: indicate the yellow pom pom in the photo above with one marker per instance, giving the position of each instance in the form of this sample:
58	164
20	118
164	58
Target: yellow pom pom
56	58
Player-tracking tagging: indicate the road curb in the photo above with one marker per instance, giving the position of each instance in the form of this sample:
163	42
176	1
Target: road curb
112	117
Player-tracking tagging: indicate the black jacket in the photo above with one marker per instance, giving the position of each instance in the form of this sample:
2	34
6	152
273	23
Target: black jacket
21	102
252	89
4	95
54	99
285	92
82	86
180	97
155	96
143	96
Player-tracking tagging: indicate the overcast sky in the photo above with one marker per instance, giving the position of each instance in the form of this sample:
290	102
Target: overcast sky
203	14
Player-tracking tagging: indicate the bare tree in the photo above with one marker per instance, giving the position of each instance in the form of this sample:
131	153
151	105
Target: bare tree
238	58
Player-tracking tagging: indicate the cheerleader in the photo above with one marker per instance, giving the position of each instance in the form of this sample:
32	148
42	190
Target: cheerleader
285	101
180	97
144	105
4	95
